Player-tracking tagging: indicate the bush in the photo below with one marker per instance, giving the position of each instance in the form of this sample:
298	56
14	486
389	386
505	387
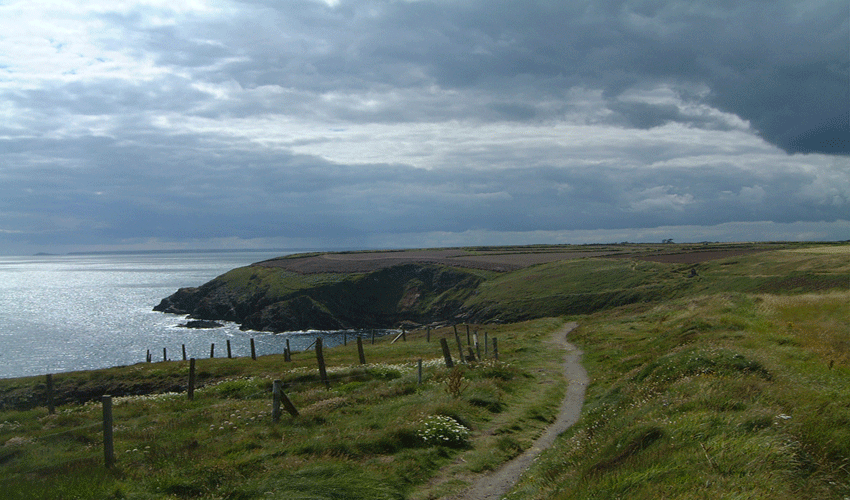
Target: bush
440	429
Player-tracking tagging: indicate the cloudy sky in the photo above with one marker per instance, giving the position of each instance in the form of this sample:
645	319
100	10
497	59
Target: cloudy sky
167	124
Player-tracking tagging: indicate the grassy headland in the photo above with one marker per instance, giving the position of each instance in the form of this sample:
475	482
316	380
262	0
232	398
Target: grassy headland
710	379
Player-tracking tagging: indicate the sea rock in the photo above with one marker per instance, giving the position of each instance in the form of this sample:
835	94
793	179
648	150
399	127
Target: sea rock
201	324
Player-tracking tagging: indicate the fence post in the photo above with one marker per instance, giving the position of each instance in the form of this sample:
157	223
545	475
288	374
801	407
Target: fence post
477	345
446	353
320	357
403	334
360	351
345	338
253	350
191	389
373	337
281	397
148	357
460	347
496	348
51	408
184	352
486	346
428	335
276	401
468	342
164	357
108	444
287	354
212	350
229	352
420	371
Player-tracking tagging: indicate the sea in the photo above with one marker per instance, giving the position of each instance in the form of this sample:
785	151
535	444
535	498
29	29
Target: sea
61	313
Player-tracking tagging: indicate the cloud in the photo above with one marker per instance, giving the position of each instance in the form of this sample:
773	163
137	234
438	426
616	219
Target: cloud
335	122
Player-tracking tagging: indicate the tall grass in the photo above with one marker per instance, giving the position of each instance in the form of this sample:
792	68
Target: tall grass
719	396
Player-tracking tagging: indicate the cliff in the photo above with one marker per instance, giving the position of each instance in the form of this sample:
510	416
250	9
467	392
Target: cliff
272	298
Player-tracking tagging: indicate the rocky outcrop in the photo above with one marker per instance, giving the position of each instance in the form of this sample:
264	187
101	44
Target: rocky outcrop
256	298
200	324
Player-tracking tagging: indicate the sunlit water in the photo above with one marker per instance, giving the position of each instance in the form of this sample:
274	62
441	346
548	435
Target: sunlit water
81	312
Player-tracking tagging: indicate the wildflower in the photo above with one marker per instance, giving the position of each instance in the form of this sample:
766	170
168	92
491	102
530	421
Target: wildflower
442	429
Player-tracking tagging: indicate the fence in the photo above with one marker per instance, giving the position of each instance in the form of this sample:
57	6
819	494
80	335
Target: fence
472	353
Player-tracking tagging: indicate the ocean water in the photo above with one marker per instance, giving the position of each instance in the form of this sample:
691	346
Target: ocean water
82	312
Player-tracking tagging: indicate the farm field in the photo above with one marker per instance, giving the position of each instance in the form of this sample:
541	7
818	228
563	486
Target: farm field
725	377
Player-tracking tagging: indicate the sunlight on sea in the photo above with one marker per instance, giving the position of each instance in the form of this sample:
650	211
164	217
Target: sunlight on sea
80	312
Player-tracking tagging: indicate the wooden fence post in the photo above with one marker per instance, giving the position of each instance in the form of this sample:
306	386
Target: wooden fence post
253	350
51	408
477	345
276	401
164	357
345	338
108	444
212	350
373	337
280	397
420	371
191	388
229	352
428	335
287	354
320	357
148	357
460	347
360	351
486	346
184	352
496	348
403	334
446	353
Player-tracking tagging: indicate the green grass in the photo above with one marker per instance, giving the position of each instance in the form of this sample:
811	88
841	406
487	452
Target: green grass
359	439
716	396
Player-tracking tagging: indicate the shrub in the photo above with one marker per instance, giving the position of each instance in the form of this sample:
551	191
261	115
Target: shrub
440	429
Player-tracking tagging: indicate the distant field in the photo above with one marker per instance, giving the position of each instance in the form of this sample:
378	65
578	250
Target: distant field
836	249
503	259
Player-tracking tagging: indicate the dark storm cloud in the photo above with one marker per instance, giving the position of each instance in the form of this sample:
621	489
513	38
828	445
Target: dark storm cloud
336	121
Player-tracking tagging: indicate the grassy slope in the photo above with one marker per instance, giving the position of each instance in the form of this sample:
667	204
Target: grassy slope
357	439
693	378
715	395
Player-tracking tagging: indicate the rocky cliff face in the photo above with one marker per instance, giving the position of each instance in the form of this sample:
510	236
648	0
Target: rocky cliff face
255	298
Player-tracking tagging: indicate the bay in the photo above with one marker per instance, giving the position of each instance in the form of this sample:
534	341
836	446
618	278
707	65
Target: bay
82	312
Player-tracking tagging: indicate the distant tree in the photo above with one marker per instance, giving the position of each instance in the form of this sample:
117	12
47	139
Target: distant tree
668	240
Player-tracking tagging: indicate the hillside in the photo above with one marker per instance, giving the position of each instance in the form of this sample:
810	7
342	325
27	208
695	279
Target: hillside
481	285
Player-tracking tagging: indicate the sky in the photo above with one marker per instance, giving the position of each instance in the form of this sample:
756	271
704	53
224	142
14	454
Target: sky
181	124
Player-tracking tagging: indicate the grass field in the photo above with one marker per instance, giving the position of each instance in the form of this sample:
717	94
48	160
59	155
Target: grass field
718	379
374	434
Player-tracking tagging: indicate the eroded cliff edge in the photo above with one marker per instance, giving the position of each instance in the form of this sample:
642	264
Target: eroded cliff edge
276	299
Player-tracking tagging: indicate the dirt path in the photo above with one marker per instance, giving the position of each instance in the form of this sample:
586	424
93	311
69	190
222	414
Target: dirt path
496	485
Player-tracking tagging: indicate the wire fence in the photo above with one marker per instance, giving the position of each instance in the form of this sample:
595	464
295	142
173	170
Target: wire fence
272	390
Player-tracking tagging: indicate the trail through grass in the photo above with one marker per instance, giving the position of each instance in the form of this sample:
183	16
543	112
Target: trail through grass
719	396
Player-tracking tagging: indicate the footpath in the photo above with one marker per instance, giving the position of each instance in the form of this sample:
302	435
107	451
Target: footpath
496	485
